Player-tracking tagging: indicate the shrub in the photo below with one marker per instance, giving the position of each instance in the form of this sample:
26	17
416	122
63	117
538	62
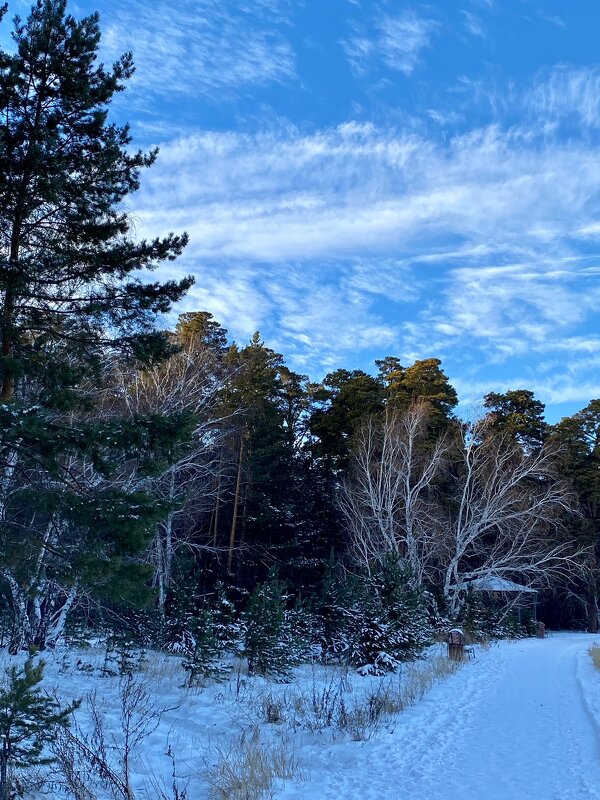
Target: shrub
267	634
381	620
28	722
203	649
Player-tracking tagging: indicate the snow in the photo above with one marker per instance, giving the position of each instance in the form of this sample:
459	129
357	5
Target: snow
494	583
520	722
513	725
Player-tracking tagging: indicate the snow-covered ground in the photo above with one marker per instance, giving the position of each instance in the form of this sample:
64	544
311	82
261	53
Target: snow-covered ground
520	722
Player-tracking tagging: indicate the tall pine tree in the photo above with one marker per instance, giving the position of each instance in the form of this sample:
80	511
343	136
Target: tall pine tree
70	304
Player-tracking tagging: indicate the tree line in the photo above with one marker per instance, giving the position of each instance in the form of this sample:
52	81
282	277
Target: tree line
199	479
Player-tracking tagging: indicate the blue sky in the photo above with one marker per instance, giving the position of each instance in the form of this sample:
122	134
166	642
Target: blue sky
363	178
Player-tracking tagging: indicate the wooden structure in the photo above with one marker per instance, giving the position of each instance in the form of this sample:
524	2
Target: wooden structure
509	593
540	630
456	644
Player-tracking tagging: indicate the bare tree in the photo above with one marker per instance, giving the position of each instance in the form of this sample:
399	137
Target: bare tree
188	383
98	762
507	514
501	512
388	500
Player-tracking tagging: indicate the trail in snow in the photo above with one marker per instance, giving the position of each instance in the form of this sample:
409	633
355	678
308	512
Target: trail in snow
520	723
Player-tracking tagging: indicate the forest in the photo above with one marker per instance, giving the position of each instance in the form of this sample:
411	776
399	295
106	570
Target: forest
166	485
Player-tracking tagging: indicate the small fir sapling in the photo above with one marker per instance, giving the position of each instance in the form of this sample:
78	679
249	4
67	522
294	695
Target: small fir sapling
267	634
28	722
227	626
203	650
385	620
306	633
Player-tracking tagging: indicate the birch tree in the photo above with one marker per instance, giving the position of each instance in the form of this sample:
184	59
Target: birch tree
388	501
473	504
187	385
507	514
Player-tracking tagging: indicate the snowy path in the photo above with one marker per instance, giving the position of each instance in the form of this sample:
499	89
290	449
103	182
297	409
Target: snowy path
517	724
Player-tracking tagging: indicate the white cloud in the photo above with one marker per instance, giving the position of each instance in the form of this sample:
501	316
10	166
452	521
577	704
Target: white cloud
521	308
356	190
397	41
567	92
472	24
318	237
200	47
401	40
553	391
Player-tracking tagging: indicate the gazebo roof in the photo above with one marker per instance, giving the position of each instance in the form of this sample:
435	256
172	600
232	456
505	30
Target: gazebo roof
494	583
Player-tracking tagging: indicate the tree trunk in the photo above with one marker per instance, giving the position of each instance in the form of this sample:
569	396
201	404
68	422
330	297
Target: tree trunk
236	503
217	505
55	626
8	379
592	612
4	784
21	634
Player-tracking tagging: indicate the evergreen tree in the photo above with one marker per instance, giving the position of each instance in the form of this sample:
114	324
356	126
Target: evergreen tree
198	330
67	260
267	640
422	381
261	452
70	304
28	721
577	439
203	650
344	400
518	412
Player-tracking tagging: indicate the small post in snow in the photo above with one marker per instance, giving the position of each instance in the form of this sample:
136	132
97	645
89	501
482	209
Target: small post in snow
456	644
540	630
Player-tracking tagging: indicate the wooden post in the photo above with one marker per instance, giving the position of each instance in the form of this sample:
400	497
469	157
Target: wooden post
456	644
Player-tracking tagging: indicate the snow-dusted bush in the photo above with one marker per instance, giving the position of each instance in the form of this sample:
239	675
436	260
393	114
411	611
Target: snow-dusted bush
267	631
482	620
203	650
374	622
203	631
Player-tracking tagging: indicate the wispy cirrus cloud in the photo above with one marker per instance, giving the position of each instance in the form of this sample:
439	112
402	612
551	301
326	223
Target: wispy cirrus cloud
396	41
567	92
201	47
519	308
357	189
472	23
483	240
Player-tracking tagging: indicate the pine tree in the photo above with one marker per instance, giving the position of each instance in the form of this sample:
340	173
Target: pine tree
577	439
344	400
267	632
423	381
202	658
70	304
28	721
520	414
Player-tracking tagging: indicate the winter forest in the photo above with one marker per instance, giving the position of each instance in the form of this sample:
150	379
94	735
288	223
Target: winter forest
166	489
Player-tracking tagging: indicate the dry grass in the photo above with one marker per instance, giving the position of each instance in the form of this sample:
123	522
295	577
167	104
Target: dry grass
595	654
334	708
249	771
